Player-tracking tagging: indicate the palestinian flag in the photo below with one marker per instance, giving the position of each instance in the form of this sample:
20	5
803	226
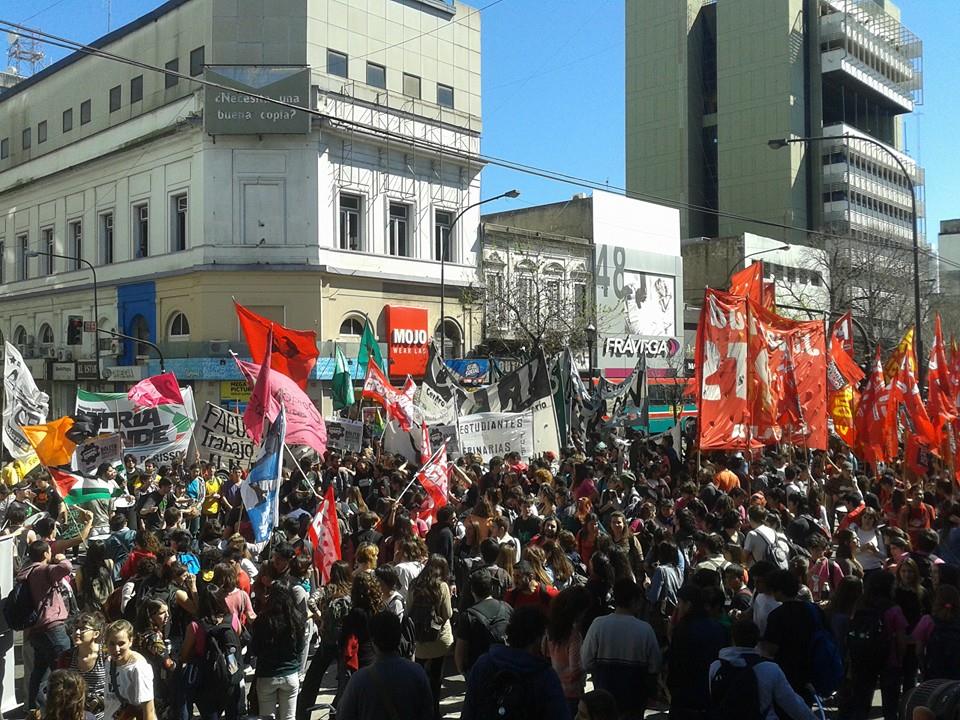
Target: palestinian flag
75	488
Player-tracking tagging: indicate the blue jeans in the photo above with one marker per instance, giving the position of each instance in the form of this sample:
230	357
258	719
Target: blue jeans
47	645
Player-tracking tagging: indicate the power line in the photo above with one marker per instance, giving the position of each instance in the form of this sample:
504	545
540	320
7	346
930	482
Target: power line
41	12
516	166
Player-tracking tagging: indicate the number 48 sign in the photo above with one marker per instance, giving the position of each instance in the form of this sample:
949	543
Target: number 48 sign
603	274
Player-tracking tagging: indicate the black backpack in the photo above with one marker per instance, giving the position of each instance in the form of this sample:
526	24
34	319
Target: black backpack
942	653
222	664
486	629
426	626
734	691
506	695
867	643
148	589
19	610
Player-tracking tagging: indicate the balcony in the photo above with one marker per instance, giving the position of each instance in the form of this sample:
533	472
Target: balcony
874	50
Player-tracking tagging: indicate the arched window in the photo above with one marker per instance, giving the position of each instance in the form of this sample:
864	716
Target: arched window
452	339
20	336
179	328
352	326
45	336
140	329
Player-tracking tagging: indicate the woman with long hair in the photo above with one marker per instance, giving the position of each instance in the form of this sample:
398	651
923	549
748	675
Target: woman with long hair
558	565
506	558
937	636
354	645
66	693
848	545
431	608
587	536
366	558
479	523
914	599
565	633
94	578
277	639
623	537
840	608
87	659
538	560
334	606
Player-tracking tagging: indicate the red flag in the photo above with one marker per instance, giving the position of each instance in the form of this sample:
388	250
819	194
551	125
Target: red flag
262	405
749	283
292	352
324	533
157	390
875	434
940	396
843	378
721	352
425	451
435	478
905	391
397	403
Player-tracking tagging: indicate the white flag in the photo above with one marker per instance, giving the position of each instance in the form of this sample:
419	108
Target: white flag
25	404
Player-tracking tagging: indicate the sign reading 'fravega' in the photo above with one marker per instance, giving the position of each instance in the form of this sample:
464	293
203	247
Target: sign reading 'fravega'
226	112
408	340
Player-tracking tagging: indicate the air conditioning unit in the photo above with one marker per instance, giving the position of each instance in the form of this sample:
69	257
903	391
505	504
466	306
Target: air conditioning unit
143	359
50	352
64	355
27	352
219	347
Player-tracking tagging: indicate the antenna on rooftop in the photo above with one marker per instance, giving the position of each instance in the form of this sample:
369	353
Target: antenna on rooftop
24	55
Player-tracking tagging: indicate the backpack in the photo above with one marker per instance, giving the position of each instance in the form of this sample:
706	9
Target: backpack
776	552
331	618
942	653
867	643
190	562
925	568
222	666
734	691
485	630
826	663
506	696
19	609
426	626
148	590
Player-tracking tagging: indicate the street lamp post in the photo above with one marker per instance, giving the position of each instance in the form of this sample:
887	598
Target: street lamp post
779	248
96	306
156	347
591	332
444	248
778	143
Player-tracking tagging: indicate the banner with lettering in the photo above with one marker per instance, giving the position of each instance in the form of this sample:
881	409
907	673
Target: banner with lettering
222	438
346	435
105	449
161	433
494	433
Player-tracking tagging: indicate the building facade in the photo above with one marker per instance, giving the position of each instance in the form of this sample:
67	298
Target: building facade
709	83
183	197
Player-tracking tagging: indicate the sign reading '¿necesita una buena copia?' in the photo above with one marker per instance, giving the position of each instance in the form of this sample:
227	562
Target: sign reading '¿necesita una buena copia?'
226	111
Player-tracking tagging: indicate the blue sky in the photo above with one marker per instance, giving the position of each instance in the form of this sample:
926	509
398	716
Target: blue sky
553	88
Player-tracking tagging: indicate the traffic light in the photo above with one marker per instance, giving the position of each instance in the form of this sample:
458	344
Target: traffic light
74	330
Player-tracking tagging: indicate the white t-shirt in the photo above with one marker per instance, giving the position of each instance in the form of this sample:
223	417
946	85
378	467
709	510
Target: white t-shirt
763	605
756	545
134	683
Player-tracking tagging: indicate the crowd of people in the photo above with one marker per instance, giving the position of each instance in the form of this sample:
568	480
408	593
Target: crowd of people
767	585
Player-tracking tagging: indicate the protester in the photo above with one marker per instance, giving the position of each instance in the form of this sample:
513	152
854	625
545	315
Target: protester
129	676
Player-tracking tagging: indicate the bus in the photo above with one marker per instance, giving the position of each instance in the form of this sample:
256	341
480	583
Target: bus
666	397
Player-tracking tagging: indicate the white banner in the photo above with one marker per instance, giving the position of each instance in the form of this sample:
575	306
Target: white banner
344	434
88	456
8	698
24	403
161	433
222	436
489	434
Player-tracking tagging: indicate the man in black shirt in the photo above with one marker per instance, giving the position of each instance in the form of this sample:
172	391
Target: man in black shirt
154	504
440	536
790	628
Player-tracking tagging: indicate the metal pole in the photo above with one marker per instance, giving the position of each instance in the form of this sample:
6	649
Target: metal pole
156	347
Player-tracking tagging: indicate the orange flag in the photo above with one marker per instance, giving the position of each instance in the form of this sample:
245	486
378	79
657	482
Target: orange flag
50	441
294	352
749	283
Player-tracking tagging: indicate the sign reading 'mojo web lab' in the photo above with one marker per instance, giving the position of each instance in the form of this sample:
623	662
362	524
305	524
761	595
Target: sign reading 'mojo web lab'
408	340
228	112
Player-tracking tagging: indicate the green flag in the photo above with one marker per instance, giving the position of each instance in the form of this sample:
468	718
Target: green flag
342	383
369	350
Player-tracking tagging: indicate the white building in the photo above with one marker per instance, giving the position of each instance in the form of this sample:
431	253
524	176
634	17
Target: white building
181	200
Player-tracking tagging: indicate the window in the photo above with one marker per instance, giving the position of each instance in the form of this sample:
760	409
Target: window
399	230
337	63
580	302
178	223
116	98
23	247
75	235
442	228
411	85
352	326
141	231
496	309
376	76
170	80
136	89
49	247
179	329
140	329
45	336
106	238
444	95
84	112
3	262
25	136
4	148
452	339
20	336
196	61
351	216
68	120
41	132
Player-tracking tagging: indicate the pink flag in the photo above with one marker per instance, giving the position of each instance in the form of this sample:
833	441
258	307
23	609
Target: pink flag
324	533
263	404
157	390
305	426
397	403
